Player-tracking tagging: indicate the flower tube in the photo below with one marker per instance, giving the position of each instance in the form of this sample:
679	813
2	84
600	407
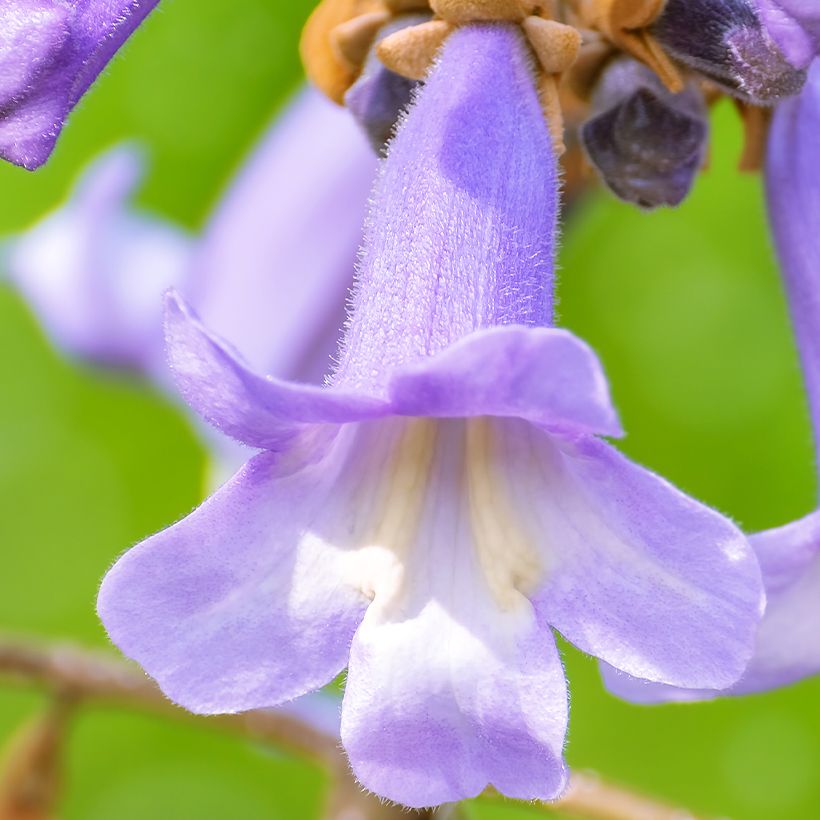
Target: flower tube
432	514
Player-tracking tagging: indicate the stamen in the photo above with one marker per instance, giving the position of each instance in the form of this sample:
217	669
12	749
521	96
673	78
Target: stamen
510	563
380	563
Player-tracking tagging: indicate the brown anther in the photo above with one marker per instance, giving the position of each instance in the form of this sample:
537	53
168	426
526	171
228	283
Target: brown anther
626	24
555	44
411	51
320	56
756	121
551	105
460	12
351	41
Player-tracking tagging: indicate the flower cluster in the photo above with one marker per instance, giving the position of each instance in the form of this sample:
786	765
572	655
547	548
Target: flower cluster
446	501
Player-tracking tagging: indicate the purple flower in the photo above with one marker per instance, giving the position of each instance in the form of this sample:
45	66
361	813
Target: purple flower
795	26
50	53
95	270
788	641
429	517
275	263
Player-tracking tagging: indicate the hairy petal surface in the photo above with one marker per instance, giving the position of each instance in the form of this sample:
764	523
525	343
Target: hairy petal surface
542	374
261	412
461	232
244	603
545	375
635	572
50	53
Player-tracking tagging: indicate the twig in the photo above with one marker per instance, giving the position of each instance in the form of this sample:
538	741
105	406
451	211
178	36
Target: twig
590	797
89	675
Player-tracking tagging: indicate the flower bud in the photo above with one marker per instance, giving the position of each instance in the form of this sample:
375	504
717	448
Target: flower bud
725	41
646	143
379	95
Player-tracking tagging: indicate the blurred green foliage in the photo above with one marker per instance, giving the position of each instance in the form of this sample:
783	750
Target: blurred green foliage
684	307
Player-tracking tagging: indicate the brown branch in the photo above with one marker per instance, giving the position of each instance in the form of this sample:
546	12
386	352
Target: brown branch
88	675
589	796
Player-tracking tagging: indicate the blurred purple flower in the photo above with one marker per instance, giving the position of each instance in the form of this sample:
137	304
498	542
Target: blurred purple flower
50	53
788	642
275	264
427	518
795	26
95	270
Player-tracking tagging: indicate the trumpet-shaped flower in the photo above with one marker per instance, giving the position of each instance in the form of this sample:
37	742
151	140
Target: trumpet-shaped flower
432	514
50	53
788	641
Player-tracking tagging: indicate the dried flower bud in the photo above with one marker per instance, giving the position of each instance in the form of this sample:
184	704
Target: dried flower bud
725	41
379	96
646	143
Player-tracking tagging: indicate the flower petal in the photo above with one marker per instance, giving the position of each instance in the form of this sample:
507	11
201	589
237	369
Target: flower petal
260	412
793	193
58	50
244	603
795	26
788	640
445	703
276	259
544	375
635	572
452	684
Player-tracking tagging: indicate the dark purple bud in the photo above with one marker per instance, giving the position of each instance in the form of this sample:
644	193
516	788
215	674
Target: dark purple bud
646	143
379	96
725	41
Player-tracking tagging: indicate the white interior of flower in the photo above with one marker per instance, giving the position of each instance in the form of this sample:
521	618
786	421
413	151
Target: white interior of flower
442	487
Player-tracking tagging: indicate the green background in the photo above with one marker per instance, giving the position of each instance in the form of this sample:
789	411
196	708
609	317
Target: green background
684	307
